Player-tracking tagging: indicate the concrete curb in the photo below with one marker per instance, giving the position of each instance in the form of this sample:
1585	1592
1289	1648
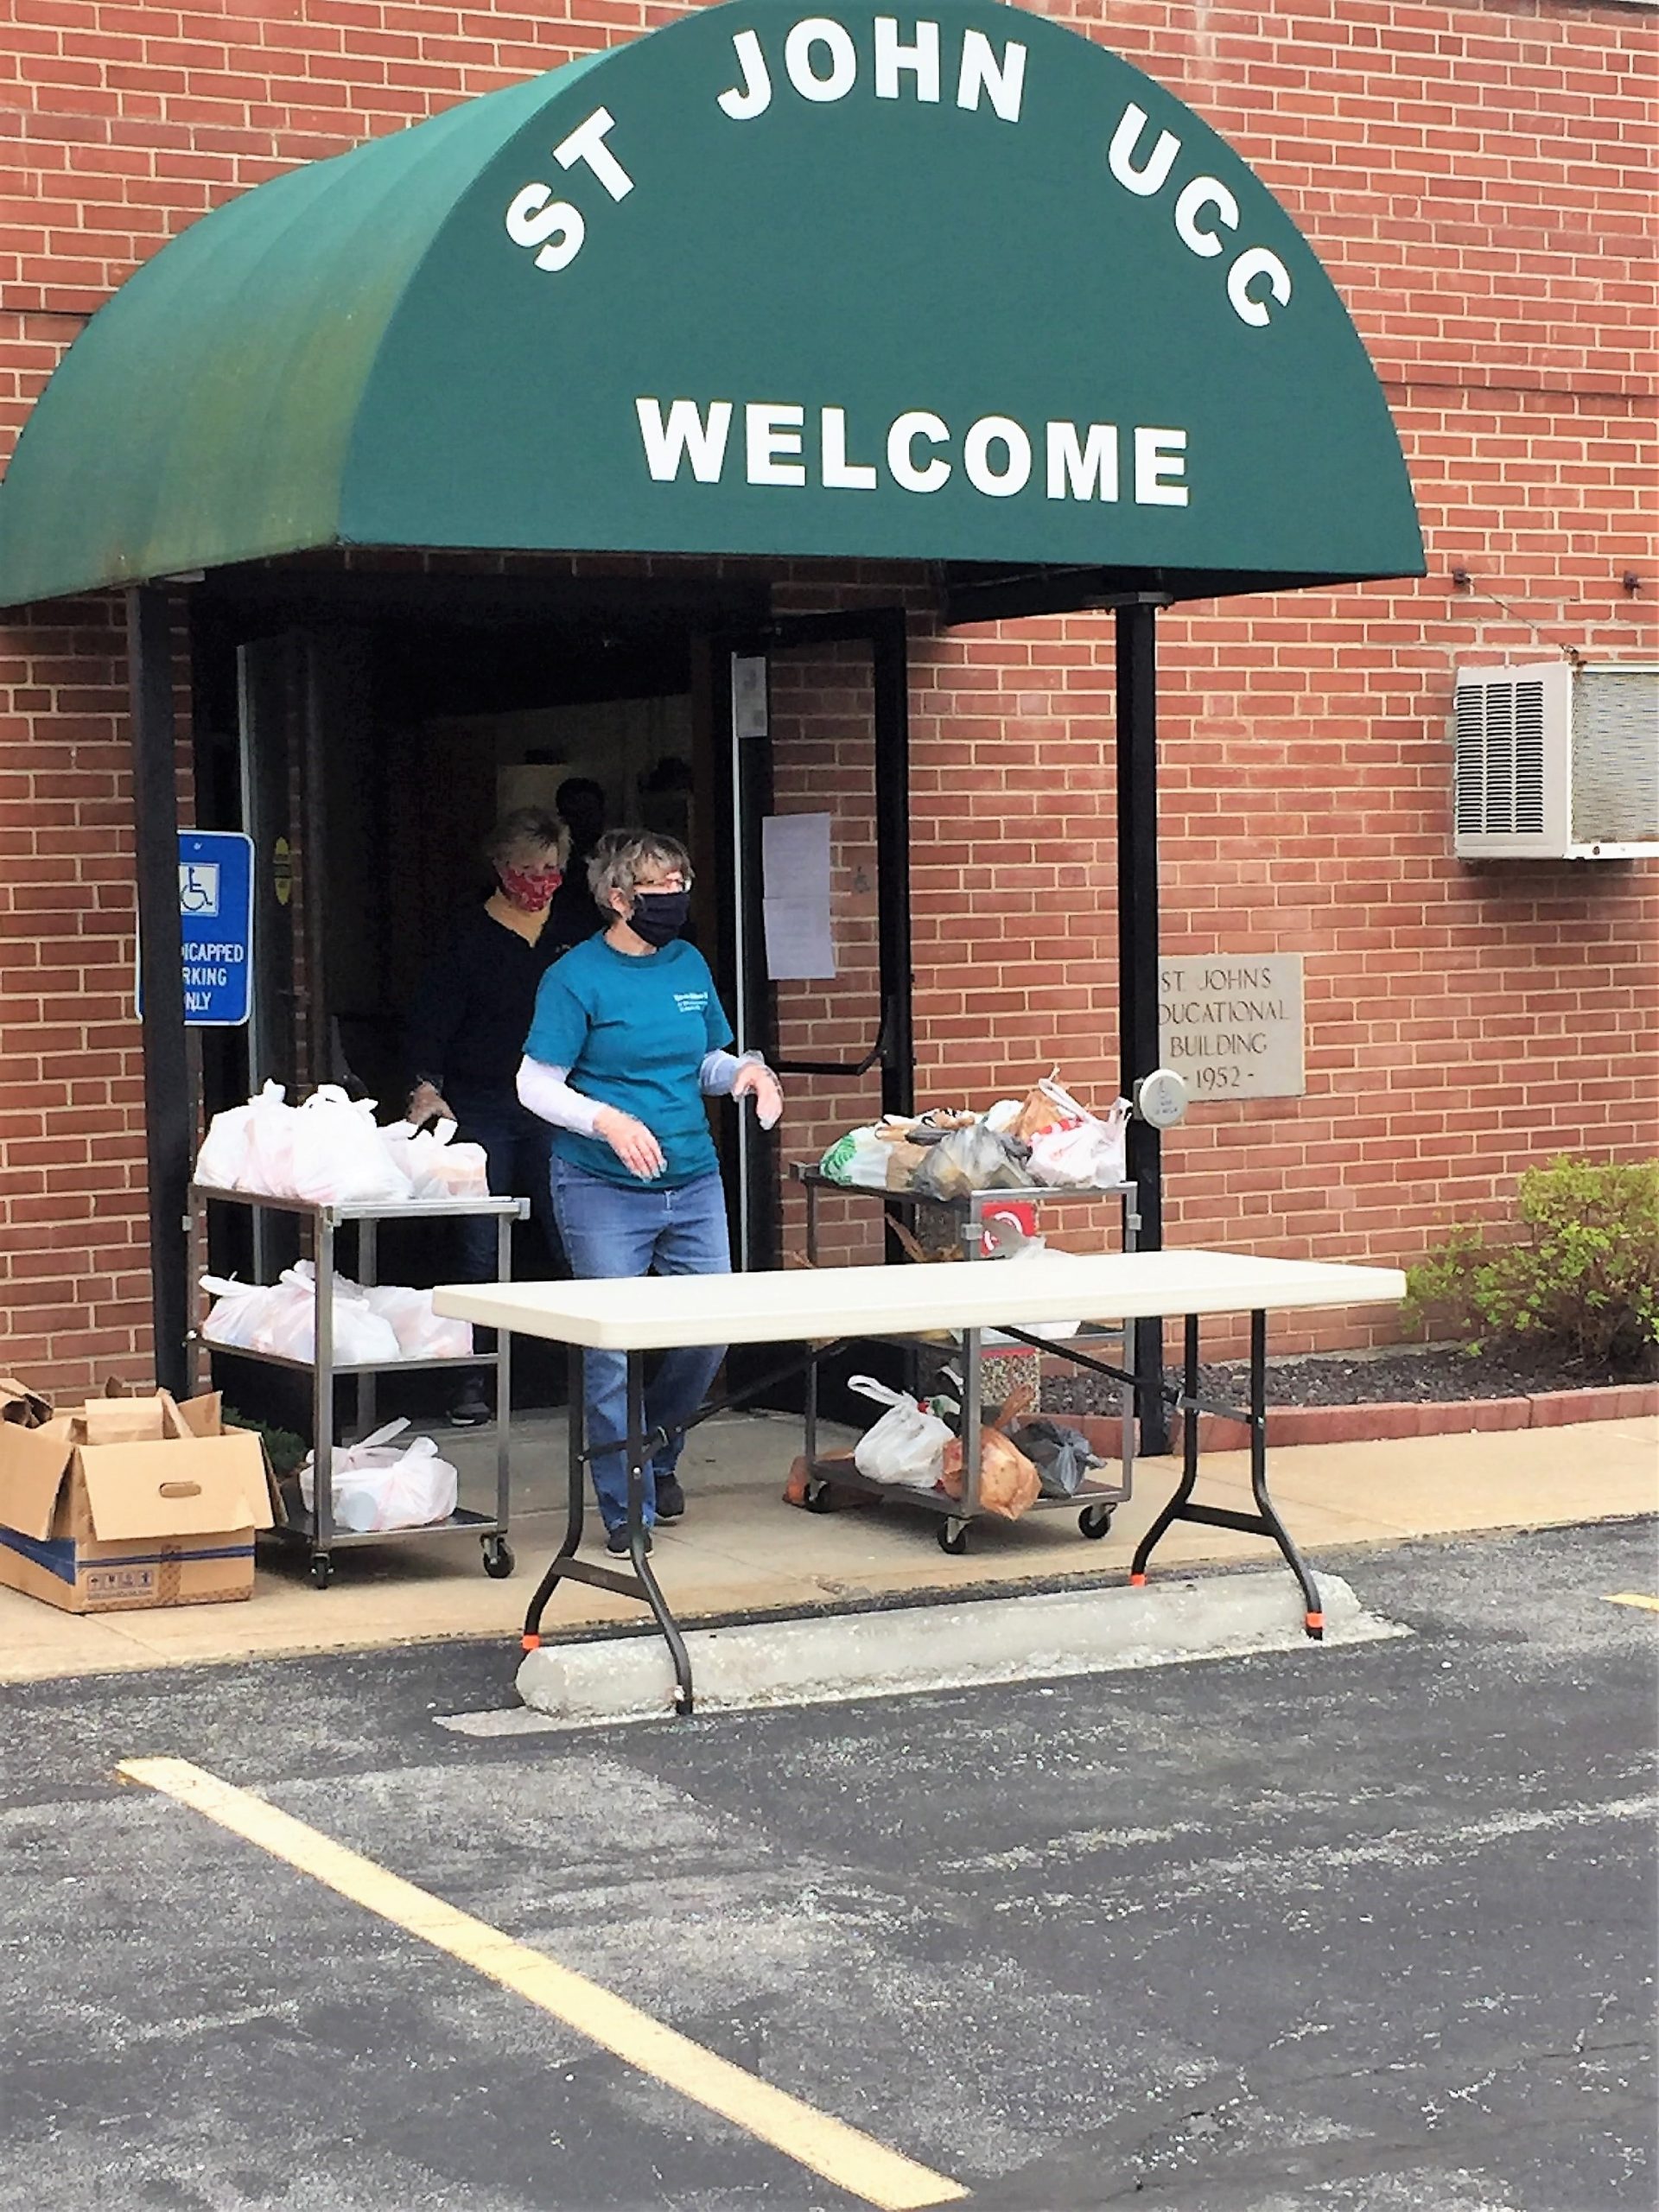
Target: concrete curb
942	1647
1383	1419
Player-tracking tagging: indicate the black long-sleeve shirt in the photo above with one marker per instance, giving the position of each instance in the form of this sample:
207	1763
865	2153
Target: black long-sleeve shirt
472	1009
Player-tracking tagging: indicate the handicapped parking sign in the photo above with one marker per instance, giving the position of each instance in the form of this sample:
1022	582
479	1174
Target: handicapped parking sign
216	927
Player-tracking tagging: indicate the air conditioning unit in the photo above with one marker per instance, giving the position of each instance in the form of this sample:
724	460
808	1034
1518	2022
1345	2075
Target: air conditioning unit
1555	762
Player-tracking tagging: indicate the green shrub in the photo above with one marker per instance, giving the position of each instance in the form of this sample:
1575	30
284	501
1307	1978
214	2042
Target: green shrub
286	1449
1581	1278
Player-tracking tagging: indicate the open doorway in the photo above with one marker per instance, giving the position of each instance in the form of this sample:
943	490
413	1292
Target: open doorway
368	742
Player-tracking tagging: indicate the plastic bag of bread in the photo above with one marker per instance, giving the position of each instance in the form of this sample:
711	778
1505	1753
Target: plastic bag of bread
1049	1105
1008	1482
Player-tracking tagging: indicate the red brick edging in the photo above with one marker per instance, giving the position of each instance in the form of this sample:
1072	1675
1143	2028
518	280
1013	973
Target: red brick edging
1370	1424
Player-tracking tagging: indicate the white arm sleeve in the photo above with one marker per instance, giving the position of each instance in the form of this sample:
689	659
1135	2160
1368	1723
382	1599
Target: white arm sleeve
549	1097
718	1073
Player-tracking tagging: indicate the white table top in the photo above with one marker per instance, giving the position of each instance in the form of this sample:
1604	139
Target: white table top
791	1306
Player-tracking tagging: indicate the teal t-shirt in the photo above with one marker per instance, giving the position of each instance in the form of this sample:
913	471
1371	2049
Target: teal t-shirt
633	1029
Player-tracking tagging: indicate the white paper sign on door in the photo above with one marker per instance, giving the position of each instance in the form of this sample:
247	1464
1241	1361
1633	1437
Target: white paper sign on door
795	866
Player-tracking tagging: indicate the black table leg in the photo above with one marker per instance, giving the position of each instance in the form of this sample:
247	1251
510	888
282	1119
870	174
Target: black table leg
1265	1521
639	1446
567	1567
566	1560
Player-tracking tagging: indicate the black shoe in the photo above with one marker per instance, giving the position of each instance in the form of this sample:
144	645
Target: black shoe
616	1540
471	1408
670	1499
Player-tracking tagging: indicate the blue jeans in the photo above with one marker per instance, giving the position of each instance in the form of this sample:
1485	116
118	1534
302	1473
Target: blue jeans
610	1231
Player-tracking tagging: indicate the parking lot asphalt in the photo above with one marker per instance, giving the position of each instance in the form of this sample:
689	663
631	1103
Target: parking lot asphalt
1369	1929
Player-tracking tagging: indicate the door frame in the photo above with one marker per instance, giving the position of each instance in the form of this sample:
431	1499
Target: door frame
744	767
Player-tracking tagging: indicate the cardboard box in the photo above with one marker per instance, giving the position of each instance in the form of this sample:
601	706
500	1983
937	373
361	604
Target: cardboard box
131	1502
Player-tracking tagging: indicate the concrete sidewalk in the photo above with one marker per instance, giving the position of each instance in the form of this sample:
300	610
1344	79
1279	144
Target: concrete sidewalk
741	1550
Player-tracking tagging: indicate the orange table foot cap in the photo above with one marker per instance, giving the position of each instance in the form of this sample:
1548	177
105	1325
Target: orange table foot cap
1137	1582
532	1643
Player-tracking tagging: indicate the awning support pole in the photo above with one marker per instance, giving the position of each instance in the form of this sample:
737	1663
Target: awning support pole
891	681
1137	964
169	1119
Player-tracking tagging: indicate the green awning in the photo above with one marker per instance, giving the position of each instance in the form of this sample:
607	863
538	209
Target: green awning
965	288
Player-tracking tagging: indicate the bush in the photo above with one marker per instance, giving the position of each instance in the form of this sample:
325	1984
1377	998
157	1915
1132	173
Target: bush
286	1450
1581	1280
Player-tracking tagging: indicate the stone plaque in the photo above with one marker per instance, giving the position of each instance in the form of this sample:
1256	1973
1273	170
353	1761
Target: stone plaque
1232	1023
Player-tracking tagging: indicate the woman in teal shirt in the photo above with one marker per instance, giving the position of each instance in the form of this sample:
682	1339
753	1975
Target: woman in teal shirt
628	1039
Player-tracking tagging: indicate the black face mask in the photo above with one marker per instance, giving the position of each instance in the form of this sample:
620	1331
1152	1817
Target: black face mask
660	915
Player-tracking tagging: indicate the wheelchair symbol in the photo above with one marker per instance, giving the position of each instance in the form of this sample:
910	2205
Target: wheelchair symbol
198	886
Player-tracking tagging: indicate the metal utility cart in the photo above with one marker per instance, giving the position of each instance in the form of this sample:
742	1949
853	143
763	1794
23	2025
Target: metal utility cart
314	1528
1096	1500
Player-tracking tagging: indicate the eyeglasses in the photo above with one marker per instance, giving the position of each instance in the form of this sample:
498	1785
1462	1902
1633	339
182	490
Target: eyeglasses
671	882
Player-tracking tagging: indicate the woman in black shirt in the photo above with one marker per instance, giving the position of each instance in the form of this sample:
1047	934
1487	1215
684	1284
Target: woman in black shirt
467	1023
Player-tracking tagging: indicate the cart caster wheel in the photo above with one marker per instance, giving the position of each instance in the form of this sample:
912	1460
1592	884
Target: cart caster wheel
818	1499
499	1561
322	1571
953	1537
1095	1520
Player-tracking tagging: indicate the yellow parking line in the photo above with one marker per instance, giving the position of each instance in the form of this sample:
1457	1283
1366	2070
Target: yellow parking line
1634	1598
854	2161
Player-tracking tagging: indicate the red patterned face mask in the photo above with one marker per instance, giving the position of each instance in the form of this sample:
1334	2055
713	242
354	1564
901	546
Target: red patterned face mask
528	889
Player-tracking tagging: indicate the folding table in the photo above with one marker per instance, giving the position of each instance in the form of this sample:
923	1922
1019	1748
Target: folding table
822	1310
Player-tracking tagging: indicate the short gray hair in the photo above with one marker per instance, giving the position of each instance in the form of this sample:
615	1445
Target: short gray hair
622	856
525	830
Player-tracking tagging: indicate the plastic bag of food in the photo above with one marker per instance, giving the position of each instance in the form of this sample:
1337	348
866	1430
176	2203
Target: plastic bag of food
361	1336
236	1319
382	1484
338	1156
1009	1484
837	1161
858	1159
222	1163
1088	1155
1064	1457
906	1446
421	1332
974	1159
1049	1105
902	1162
433	1165
271	1128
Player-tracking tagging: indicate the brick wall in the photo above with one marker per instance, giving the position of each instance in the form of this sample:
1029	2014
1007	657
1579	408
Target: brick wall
1475	179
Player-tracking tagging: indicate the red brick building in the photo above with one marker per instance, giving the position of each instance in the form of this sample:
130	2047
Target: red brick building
1477	181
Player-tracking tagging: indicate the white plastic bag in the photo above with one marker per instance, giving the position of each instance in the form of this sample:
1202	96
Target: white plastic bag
270	1128
238	1315
222	1163
421	1333
906	1446
338	1157
361	1336
1088	1157
433	1165
380	1485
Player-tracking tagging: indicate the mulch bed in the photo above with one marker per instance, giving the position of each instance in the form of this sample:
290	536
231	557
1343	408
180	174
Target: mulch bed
1403	1376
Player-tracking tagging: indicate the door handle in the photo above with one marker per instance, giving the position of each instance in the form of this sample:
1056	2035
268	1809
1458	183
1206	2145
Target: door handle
878	1055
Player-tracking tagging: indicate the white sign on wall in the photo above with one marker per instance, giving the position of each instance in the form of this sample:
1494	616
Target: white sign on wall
1232	1023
